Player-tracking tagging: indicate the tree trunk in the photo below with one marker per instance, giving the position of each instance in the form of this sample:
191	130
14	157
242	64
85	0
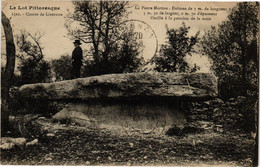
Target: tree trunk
255	159
8	73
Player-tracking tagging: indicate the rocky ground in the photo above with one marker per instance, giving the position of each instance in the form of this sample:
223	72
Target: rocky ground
71	144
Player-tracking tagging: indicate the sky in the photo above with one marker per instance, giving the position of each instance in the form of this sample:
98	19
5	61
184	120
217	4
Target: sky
56	42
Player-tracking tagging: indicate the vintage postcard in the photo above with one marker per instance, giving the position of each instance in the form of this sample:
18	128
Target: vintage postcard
129	83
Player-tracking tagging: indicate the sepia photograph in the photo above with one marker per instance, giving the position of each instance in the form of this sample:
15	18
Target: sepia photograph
129	83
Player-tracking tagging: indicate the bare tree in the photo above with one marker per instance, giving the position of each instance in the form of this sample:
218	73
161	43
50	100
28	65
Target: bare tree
32	66
30	45
98	24
8	73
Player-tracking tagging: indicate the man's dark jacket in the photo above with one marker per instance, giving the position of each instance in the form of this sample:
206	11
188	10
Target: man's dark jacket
76	62
77	57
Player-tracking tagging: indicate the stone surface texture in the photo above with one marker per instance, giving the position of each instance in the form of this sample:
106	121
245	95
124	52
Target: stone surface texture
124	85
146	117
9	142
72	116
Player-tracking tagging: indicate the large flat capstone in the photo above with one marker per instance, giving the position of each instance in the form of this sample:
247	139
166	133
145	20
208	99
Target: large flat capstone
143	102
124	86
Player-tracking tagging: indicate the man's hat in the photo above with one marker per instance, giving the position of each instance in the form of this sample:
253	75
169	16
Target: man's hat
77	42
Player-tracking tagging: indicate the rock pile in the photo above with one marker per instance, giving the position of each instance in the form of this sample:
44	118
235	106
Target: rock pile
10	142
235	113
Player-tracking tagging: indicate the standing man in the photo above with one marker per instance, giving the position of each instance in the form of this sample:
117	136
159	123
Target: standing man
76	60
